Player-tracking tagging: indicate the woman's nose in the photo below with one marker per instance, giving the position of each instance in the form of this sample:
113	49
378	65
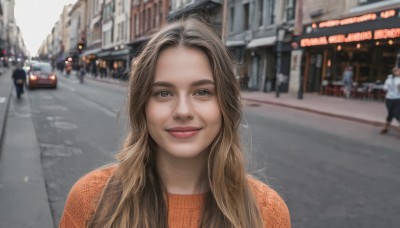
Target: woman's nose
183	109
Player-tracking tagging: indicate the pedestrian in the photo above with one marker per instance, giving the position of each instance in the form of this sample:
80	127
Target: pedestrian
81	73
181	164
392	98
19	77
347	81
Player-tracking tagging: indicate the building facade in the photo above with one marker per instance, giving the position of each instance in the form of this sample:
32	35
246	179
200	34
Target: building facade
12	46
146	15
365	35
252	36
93	28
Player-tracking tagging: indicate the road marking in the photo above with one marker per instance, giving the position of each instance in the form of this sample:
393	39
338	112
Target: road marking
26	178
95	105
2	99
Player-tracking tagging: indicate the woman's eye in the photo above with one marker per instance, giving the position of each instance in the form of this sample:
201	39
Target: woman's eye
164	93
202	92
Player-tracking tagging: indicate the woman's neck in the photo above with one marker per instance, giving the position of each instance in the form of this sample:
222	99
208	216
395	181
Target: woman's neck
182	176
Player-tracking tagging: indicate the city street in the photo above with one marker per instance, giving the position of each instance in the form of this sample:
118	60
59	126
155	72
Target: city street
330	172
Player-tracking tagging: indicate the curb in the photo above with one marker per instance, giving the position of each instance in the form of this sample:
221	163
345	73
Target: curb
354	119
120	83
4	120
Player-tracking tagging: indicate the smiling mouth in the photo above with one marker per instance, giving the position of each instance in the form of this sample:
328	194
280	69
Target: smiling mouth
183	133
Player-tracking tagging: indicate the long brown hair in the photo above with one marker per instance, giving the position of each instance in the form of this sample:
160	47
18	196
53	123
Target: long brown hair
135	195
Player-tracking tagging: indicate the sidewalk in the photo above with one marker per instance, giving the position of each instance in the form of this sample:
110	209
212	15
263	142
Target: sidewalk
5	89
362	111
23	194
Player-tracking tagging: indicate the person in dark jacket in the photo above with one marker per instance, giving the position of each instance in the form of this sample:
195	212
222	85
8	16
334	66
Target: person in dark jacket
19	77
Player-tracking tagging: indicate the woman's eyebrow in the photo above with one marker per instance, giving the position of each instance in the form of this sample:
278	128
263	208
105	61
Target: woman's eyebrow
203	82
162	84
196	83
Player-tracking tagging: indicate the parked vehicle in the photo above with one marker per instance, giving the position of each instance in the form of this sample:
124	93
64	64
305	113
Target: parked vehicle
41	75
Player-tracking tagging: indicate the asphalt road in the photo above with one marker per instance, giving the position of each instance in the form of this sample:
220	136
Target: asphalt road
79	128
331	172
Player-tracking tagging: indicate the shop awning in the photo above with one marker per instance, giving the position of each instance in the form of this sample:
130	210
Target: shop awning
265	41
235	43
120	52
91	52
114	54
351	25
103	54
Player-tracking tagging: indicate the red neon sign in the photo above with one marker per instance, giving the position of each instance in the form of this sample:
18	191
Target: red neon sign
358	36
351	37
387	33
358	19
313	41
347	21
388	13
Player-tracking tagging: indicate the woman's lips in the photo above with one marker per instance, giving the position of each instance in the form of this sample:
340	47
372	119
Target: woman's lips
183	132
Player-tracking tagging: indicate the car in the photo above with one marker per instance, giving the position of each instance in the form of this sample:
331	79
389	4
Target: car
41	74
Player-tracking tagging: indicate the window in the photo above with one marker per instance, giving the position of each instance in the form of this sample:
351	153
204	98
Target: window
155	15
232	19
143	29
260	12
160	16
136	25
118	32
290	10
148	19
271	12
246	16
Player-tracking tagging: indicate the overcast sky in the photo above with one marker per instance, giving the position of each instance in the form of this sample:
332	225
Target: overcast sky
36	18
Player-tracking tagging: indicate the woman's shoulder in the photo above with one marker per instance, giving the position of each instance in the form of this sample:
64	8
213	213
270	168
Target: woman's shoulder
83	197
273	208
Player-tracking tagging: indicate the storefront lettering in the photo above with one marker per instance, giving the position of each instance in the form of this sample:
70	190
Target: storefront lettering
351	37
387	14
387	33
331	23
336	39
358	36
347	21
313	41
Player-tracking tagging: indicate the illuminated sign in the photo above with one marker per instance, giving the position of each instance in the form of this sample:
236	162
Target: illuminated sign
386	33
387	14
313	41
359	36
357	19
351	37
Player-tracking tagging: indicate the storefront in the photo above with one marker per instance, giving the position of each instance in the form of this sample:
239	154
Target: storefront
369	43
114	63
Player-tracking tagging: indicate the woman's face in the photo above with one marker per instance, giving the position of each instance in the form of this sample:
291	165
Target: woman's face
183	115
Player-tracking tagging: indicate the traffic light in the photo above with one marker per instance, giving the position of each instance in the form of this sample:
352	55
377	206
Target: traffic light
81	46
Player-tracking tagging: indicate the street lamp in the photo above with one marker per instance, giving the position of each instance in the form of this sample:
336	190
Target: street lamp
279	41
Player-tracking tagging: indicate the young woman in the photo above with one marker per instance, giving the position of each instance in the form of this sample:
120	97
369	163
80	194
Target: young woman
182	163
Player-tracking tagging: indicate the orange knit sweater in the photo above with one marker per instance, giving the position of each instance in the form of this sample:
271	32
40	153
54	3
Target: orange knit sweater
184	210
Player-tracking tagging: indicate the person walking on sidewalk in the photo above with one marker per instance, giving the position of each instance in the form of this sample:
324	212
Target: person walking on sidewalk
347	81
182	164
19	77
392	88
